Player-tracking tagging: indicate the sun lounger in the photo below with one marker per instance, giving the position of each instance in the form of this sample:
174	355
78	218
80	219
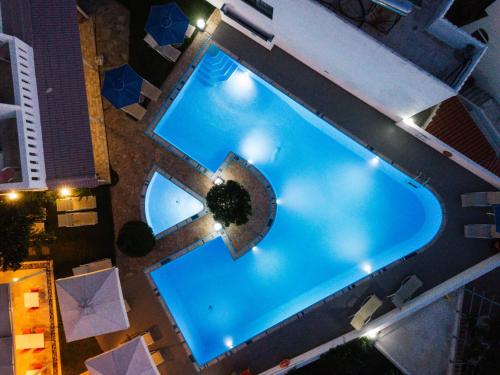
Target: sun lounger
98	265
135	110
157	358
364	314
150	91
408	287
77	219
485	231
76	203
168	52
190	31
480	199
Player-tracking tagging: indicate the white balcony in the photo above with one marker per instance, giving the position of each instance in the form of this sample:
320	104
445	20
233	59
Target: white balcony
22	164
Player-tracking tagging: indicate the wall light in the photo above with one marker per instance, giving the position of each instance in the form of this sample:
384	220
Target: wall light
13	195
218	226
64	191
201	24
218	181
15	279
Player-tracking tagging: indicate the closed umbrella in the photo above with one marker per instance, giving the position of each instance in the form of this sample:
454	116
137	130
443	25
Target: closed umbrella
167	24
122	86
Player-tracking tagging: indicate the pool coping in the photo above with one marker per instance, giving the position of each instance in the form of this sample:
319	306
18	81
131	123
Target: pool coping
213	175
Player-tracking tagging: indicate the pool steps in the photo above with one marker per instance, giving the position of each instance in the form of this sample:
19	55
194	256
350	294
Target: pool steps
217	67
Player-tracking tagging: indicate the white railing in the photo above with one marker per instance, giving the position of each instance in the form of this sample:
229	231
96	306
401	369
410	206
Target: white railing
27	115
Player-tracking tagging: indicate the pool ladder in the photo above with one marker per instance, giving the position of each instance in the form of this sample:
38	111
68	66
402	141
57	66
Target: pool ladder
420	178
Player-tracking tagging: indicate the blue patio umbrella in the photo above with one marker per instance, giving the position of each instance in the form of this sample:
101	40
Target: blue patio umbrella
122	86
167	24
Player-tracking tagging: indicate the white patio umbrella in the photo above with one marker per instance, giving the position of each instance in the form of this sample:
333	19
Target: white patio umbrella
91	304
131	358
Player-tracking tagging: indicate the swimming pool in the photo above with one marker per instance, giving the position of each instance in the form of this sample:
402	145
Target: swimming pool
343	212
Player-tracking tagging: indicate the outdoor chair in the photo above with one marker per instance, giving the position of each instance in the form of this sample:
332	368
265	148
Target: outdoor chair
150	91
157	358
77	219
480	199
168	52
486	231
76	203
408	287
7	174
365	313
135	110
98	265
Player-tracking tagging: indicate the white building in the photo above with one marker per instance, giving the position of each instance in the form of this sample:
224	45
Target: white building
22	164
398	65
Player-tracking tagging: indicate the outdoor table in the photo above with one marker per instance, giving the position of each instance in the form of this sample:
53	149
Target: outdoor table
31	300
30	341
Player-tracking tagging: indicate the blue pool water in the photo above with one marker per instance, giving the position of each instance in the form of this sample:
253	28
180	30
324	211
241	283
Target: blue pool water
342	212
168	204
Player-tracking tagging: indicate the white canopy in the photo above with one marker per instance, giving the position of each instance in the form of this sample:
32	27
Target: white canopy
91	304
131	358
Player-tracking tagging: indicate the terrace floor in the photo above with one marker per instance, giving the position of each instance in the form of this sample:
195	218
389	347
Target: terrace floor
133	155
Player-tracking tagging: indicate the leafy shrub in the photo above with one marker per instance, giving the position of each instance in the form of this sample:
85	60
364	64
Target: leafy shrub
229	203
135	239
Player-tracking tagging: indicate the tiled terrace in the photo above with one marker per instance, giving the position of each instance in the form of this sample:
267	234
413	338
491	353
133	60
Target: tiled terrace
133	155
35	275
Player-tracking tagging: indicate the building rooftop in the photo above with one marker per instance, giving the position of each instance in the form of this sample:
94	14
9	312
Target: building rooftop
51	29
417	37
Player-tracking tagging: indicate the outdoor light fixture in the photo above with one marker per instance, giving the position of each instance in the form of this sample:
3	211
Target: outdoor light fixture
13	195
228	341
218	181
217	226
374	161
278	201
64	191
372	335
409	121
15	279
366	267
201	24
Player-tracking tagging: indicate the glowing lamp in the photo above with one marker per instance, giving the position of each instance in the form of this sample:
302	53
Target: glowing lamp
217	226
372	335
366	267
218	181
201	24
13	196
64	191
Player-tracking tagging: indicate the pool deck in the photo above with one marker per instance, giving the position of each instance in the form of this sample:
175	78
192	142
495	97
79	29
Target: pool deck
133	155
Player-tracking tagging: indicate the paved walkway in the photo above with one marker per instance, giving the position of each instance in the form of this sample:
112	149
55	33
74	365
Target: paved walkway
133	155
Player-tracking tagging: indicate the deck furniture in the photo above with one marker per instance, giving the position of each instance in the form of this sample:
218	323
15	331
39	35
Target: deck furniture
148	338
190	31
150	91
480	199
135	110
405	292
30	341
76	203
365	313
486	231
77	219
169	52
32	300
157	357
98	265
7	174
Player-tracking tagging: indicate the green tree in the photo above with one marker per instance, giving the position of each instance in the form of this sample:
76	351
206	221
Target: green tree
15	234
229	203
135	239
